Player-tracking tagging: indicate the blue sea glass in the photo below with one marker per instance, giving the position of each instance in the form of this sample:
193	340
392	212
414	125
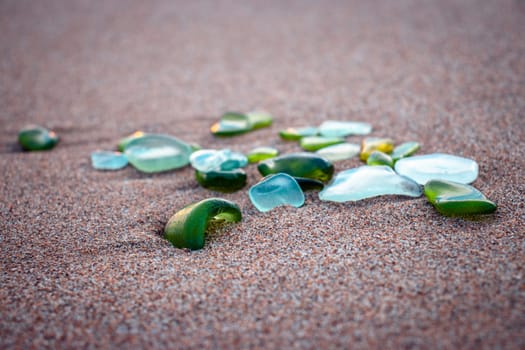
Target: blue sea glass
108	160
276	190
438	166
336	128
153	153
205	160
368	181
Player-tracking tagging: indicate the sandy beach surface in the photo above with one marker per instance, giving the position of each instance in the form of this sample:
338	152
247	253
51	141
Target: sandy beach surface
83	262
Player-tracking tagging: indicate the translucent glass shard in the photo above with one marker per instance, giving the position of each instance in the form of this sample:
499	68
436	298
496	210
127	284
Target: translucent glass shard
368	181
276	190
339	152
107	160
335	128
205	160
438	166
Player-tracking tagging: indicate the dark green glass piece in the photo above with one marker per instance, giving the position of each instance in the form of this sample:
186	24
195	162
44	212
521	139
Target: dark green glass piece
404	150
187	227
222	181
454	198
302	164
307	184
37	138
379	158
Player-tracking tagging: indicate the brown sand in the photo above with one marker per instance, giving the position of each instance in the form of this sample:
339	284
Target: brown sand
83	262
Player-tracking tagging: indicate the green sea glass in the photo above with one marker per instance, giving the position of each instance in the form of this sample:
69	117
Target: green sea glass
307	184
341	151
187	227
123	143
222	181
404	150
261	153
454	198
371	144
380	158
234	123
314	143
153	153
294	134
37	138
302	164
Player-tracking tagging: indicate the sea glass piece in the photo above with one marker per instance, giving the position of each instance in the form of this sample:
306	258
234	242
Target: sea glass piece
341	151
123	143
314	143
222	181
380	158
261	153
37	138
366	182
276	190
259	119
206	160
108	160
234	123
302	164
187	227
294	134
438	166
371	144
336	128
153	153
454	198
404	150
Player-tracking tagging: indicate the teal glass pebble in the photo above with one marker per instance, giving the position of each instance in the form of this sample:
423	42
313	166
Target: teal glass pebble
336	128
107	160
314	143
153	153
294	134
438	166
37	138
222	181
301	164
206	160
366	182
404	150
457	199
379	158
341	151
276	190
261	153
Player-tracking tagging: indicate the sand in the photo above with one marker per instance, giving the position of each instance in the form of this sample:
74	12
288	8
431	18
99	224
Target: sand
84	264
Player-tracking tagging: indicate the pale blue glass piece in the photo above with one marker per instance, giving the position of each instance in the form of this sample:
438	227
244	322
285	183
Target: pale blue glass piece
335	128
276	190
206	160
366	182
438	166
340	151
108	160
153	153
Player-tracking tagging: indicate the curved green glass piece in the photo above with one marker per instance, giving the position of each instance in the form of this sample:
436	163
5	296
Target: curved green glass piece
153	153
294	134
259	119
37	138
261	153
314	143
302	164
123	143
380	158
222	181
371	144
454	198
187	227
234	123
404	150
